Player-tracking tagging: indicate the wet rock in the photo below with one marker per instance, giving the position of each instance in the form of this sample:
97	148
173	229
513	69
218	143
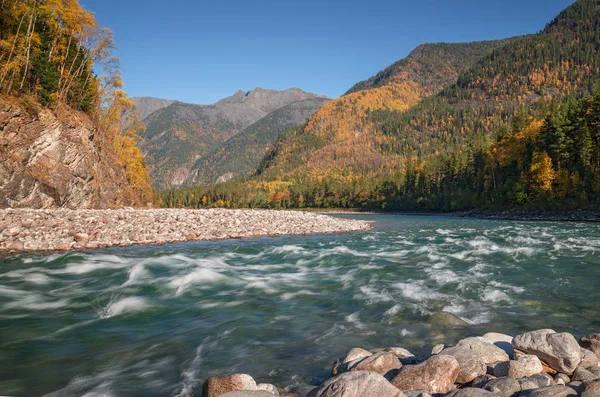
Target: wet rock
357	384
524	366
488	352
268	387
553	391
446	319
435	375
217	385
588	358
503	341
504	387
591	342
581	374
559	350
471	365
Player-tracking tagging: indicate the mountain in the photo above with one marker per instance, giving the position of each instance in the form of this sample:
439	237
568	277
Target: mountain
147	105
180	134
421	131
242	153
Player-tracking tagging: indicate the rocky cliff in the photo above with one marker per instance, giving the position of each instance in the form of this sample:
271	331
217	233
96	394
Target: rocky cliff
54	159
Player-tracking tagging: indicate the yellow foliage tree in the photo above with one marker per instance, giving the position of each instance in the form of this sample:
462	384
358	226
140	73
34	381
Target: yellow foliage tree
542	172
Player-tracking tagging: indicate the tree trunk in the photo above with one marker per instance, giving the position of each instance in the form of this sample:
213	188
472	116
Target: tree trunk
31	29
5	72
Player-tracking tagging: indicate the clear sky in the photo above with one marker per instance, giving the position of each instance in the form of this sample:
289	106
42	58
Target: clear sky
200	51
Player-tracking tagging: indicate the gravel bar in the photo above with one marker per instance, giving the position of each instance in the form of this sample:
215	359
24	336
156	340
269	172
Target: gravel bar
64	230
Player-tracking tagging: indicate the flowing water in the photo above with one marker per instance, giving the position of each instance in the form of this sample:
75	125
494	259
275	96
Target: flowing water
157	321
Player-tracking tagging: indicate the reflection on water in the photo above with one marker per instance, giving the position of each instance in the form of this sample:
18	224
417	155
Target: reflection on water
157	321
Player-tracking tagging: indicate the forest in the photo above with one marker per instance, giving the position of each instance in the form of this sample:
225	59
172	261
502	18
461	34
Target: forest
548	161
50	53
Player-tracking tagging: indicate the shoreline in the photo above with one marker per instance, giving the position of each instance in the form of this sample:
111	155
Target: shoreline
541	363
62	230
512	215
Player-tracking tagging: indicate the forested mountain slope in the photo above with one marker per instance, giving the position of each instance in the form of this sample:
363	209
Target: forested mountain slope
241	155
180	134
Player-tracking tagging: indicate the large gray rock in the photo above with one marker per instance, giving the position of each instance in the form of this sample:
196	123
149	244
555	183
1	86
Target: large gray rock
359	359
471	365
559	350
488	352
595	370
381	363
588	358
504	387
539	380
357	384
503	341
217	385
553	391
247	393
591	342
581	375
524	366
471	392
592	386
435	375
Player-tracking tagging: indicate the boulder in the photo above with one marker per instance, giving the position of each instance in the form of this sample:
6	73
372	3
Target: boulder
588	358
435	375
575	385
357	384
382	363
471	365
488	352
504	387
524	366
540	380
352	357
446	319
217	385
503	341
591	386
301	390
559	350
481	380
471	392
402	354
268	387
581	375
553	391
595	370
591	342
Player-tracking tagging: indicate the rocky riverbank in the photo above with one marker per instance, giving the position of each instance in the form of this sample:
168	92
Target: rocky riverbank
540	363
65	230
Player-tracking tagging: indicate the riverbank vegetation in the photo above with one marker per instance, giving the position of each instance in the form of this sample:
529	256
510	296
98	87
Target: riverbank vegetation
50	54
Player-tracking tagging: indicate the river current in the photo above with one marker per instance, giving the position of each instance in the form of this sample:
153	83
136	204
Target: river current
157	321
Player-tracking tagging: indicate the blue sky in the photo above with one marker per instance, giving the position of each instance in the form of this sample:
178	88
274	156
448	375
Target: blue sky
200	51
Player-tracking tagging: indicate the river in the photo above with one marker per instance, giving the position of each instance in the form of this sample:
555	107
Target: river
157	321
